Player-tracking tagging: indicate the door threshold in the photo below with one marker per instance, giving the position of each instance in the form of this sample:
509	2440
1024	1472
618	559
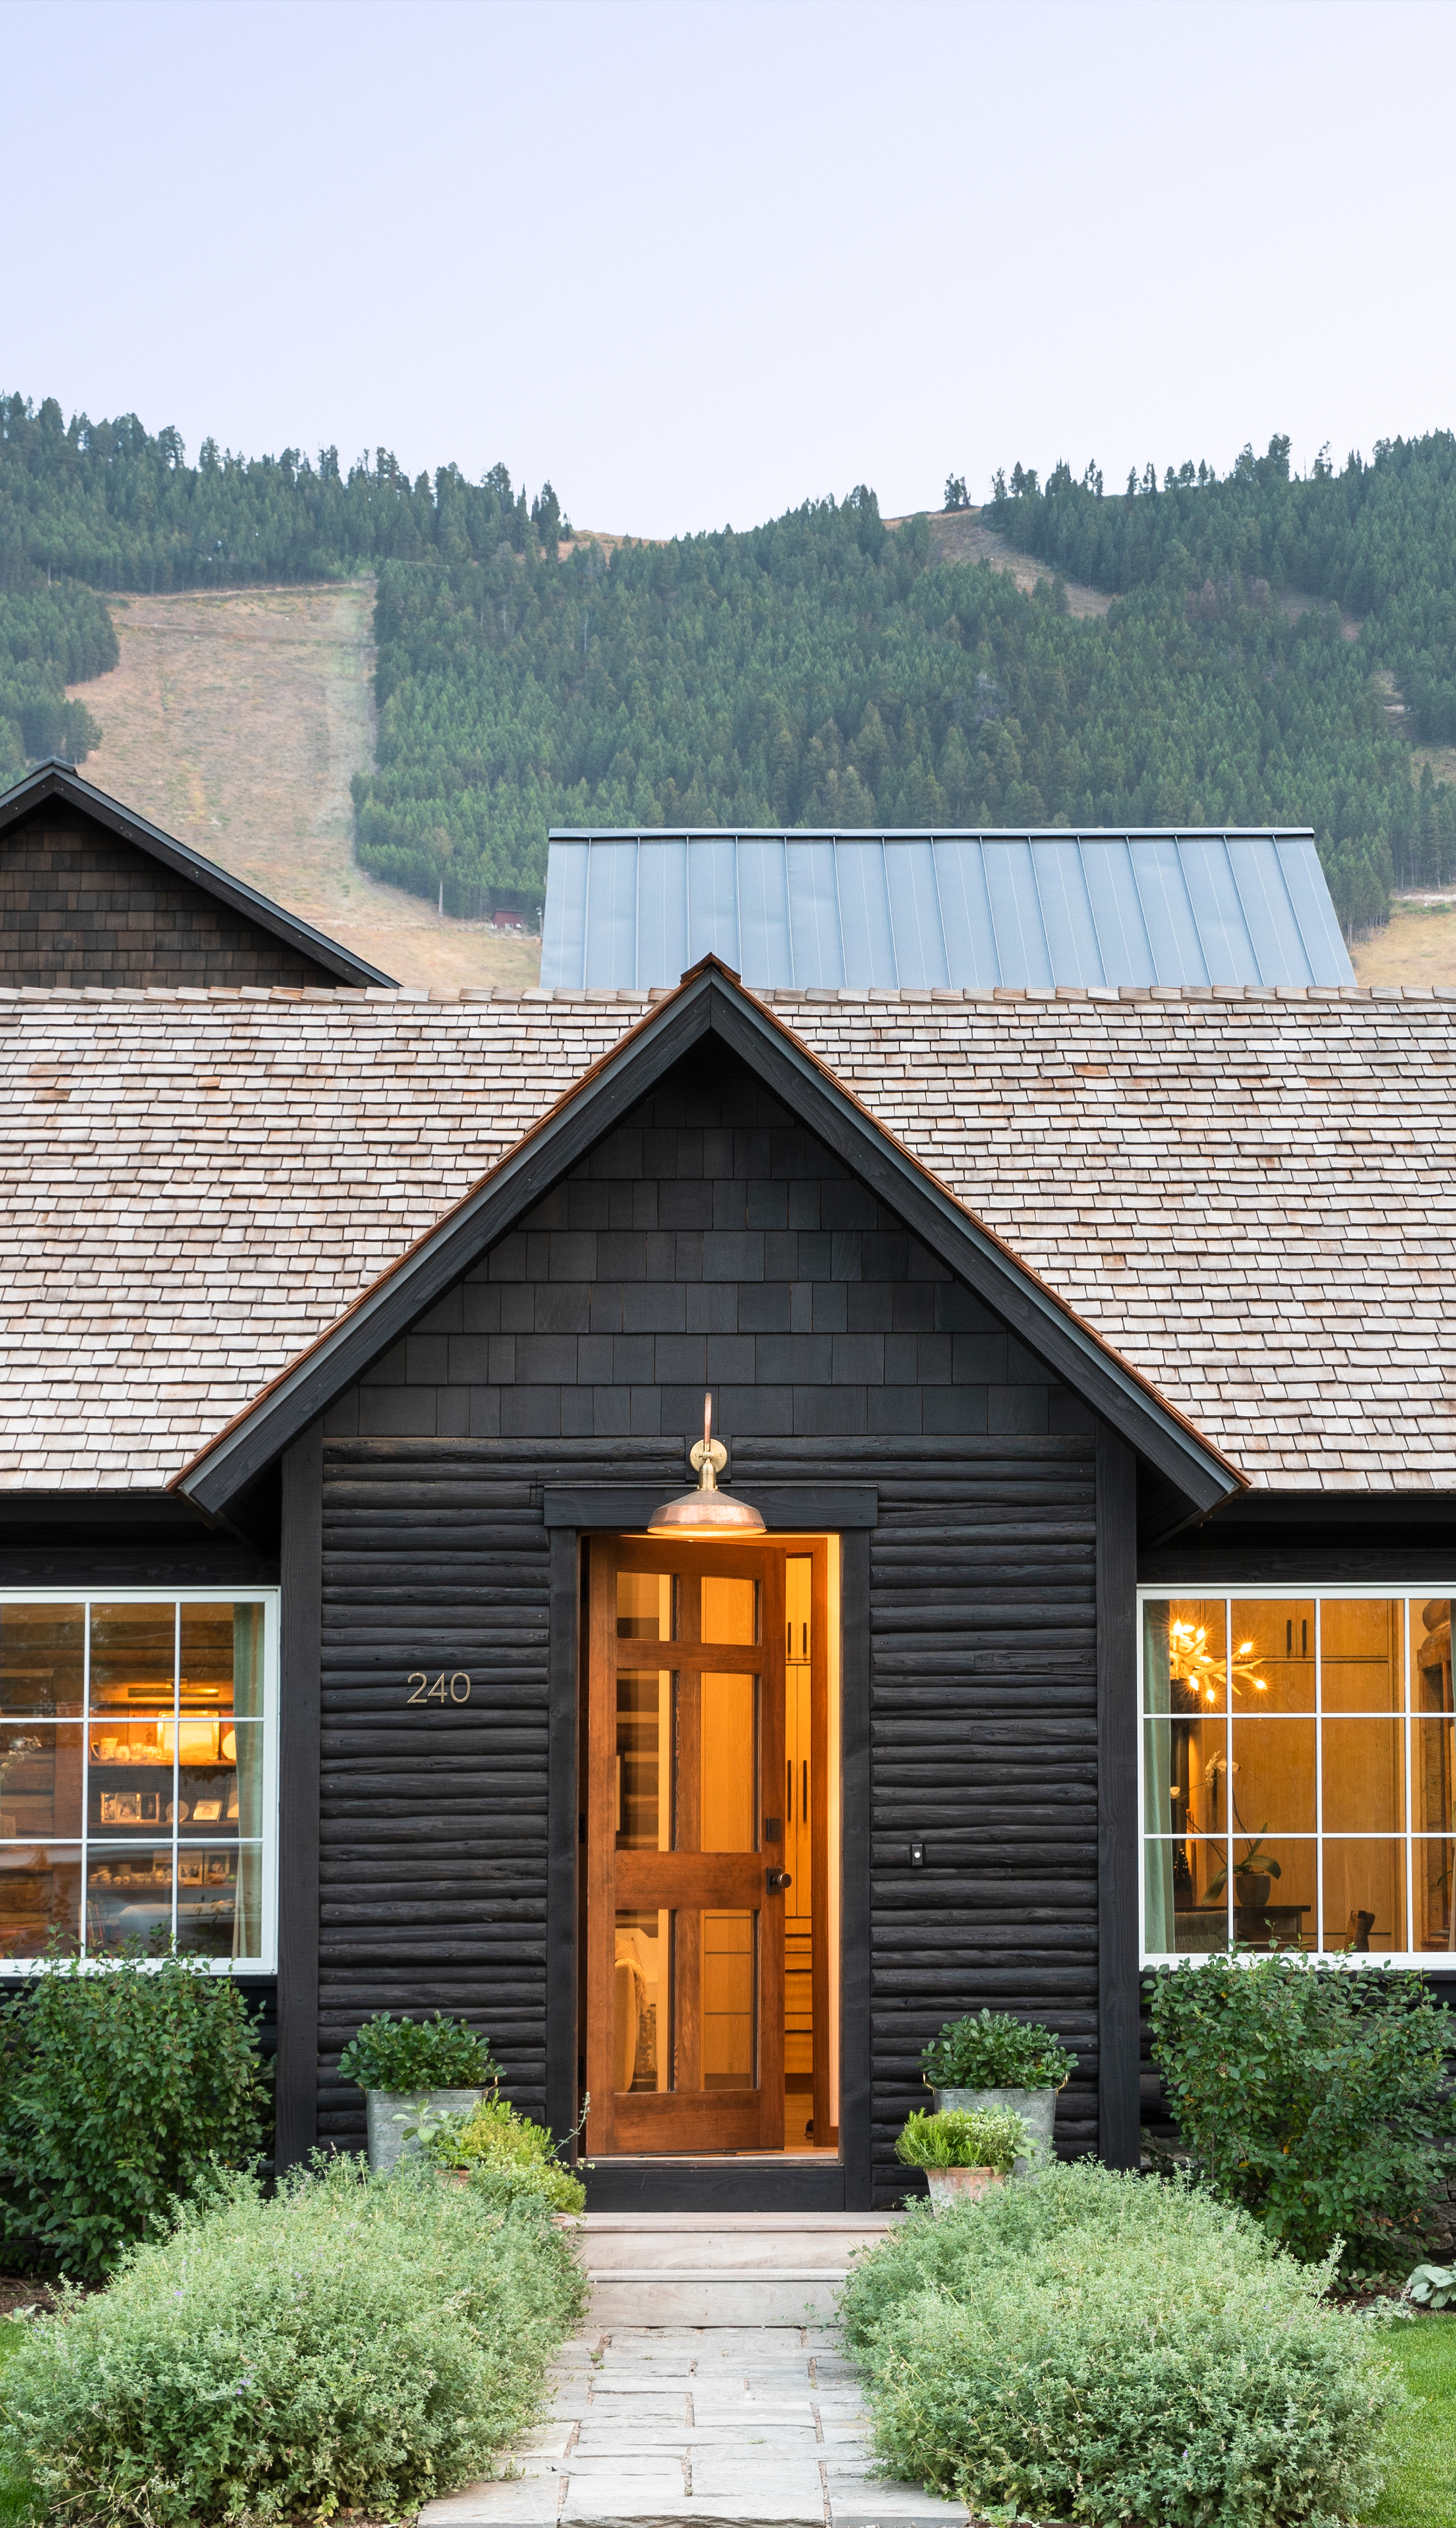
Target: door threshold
712	2158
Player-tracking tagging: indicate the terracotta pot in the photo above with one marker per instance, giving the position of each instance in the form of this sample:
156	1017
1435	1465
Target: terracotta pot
950	2186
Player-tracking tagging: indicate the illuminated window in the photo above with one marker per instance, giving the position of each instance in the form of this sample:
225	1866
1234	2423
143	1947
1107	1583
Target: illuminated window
138	1777
1297	1774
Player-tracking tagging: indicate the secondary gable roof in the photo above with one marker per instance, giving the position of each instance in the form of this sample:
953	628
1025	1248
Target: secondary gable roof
55	780
803	908
710	1001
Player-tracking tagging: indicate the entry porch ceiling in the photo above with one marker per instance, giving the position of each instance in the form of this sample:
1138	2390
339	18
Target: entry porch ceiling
794	909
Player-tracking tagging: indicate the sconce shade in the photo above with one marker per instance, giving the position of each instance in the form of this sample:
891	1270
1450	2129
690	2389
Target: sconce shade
707	1512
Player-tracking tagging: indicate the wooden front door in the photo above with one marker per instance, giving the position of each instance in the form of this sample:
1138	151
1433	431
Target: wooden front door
685	1835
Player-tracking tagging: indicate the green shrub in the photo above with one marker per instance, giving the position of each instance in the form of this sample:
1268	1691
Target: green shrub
979	2137
119	2084
493	2135
1309	2095
1104	2349
358	2343
995	2051
404	2056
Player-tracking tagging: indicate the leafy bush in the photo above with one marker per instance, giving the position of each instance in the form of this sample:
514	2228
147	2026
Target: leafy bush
404	2056
493	2135
118	2085
1101	2348
1308	2094
1432	2286
996	2052
358	2343
979	2137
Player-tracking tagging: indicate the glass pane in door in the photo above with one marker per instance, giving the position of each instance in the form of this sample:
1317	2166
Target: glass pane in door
730	1611
642	1984
644	1730
728	1759
729	1996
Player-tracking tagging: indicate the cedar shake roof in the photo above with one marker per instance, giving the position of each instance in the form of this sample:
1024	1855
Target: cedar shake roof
1247	1192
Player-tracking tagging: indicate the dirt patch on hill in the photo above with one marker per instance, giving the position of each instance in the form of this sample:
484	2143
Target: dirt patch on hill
236	720
1418	944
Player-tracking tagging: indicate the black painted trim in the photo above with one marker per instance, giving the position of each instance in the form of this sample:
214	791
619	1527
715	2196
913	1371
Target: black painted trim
57	780
856	2097
709	1002
721	2184
563	1670
1118	1838
298	1798
794	1508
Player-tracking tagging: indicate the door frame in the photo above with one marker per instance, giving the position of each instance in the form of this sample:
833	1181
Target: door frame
742	2184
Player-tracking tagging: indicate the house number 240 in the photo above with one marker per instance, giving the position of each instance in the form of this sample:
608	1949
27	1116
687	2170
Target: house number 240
439	1689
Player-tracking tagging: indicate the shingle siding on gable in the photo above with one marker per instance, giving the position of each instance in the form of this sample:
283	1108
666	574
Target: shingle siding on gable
79	906
712	1239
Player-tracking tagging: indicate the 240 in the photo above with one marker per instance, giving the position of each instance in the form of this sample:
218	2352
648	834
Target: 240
439	1689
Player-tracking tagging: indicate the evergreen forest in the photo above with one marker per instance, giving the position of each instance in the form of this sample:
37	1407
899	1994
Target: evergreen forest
822	669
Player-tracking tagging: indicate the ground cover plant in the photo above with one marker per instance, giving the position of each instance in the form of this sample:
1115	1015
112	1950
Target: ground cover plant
358	2343
1420	2488
119	2086
991	2050
1309	2095
1101	2347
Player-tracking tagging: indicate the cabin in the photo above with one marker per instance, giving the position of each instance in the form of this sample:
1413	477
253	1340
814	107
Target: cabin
1071	1592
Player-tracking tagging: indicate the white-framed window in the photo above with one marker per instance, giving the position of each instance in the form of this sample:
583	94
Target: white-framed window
138	1775
1297	1773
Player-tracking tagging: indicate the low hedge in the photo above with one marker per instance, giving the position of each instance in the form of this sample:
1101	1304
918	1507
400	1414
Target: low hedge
358	2343
1101	2347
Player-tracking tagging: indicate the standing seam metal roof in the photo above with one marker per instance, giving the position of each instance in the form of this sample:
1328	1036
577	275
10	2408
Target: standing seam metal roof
793	908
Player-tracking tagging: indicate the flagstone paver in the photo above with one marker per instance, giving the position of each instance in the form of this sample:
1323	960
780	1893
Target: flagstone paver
730	2427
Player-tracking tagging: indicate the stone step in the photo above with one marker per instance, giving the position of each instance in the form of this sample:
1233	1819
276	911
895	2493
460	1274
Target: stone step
732	2242
720	2269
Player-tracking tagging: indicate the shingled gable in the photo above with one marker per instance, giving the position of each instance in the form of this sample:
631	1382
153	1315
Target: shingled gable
710	1000
29	908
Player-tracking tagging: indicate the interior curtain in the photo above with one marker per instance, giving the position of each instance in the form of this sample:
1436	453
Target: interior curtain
1158	1916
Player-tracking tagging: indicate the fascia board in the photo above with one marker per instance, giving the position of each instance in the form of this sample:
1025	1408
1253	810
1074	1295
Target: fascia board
709	1001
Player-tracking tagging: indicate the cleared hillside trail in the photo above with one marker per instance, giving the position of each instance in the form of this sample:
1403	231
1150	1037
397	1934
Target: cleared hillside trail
236	720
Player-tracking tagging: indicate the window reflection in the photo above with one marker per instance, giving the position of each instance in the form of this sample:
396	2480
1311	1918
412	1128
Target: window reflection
1295	1778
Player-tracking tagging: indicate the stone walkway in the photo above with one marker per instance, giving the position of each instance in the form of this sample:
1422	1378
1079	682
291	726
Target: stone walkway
726	2426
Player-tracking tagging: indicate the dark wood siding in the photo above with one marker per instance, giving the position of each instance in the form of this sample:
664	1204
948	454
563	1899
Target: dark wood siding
712	1241
82	906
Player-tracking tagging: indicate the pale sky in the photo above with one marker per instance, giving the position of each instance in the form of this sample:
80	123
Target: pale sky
697	263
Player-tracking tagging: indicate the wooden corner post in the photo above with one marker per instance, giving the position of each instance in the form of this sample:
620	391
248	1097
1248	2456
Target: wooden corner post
1118	1838
301	1563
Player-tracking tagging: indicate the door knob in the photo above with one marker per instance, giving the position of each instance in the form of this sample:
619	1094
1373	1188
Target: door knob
777	1878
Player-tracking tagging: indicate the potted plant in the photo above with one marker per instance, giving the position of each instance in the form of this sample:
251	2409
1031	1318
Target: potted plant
962	2153
1252	1876
505	2147
407	2068
994	2060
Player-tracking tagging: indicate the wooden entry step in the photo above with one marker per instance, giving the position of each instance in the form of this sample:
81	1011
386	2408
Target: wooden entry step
721	2267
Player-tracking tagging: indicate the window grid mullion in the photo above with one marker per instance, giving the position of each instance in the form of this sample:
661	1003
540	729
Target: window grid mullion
176	1751
1228	1772
1319	1778
1410	1848
84	1927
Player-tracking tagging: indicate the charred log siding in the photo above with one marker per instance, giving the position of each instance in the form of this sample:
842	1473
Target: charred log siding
985	1749
712	1239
